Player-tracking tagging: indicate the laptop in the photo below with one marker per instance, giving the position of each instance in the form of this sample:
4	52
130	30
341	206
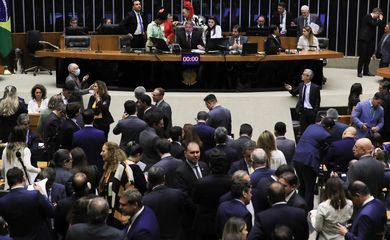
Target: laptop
249	48
160	44
217	44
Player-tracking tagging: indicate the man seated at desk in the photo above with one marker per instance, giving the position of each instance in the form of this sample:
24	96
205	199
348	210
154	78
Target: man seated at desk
260	22
73	22
190	39
273	44
236	40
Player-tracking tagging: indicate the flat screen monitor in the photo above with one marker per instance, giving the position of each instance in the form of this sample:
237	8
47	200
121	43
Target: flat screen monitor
292	31
217	44
111	29
76	31
254	31
77	42
160	44
249	48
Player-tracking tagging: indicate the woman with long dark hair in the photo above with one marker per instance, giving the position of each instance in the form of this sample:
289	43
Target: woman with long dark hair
354	96
80	164
213	30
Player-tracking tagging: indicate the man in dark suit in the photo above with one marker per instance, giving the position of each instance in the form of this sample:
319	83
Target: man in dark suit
72	83
218	116
158	98
259	164
26	212
337	131
177	150
287	146
245	136
70	125
309	99
96	228
383	49
279	214
261	22
340	152
135	25
245	163
130	126
143	224
308	155
149	137
90	139
282	18
167	203
371	219
51	132
290	183
366	40
307	19
190	38
55	191
367	169
221	138
167	162
273	45
205	132
206	194
241	193
384	88
237	40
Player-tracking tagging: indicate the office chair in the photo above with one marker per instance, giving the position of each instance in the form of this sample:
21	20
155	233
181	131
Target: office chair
33	38
323	43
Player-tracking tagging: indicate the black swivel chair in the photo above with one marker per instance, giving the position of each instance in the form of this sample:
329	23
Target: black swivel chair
323	43
33	38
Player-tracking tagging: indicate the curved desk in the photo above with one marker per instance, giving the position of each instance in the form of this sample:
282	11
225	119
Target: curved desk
383	72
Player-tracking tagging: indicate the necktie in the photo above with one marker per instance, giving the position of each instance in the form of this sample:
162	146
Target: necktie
140	22
189	40
236	40
281	18
304	95
198	176
305	22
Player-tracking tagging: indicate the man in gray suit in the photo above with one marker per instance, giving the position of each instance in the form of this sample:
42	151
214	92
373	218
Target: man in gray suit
158	98
287	146
236	40
73	83
383	50
130	126
306	19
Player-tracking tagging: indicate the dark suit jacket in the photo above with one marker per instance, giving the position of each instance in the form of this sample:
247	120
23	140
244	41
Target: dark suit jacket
169	164
287	146
9	122
177	150
68	127
267	220
232	208
238	165
300	21
314	98
129	23
85	231
51	134
297	201
169	215
370	171
260	173
130	128
103	108
311	146
238	144
340	154
336	132
206	134
33	141
196	39
275	19
145	226
147	140
91	140
26	213
272	45
220	117
185	176
167	112
205	195
369	222
63	176
367	30
384	52
259	194
231	154
57	192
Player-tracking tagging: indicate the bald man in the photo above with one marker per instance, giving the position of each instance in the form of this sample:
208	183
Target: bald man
340	152
72	82
367	169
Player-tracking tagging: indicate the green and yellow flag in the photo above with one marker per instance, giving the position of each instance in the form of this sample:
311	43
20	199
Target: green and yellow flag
5	30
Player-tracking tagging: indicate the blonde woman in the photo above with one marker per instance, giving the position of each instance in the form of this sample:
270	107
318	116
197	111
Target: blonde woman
117	177
275	157
307	40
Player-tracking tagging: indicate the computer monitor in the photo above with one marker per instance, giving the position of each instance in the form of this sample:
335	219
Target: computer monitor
254	31
292	31
124	43
160	44
76	31
249	48
111	29
217	44
77	42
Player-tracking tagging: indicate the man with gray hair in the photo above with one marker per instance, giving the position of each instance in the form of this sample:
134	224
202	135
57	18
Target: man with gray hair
259	164
96	228
308	19
32	139
337	131
309	99
139	91
73	83
221	139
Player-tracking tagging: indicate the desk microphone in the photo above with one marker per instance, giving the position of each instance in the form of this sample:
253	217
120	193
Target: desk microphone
98	49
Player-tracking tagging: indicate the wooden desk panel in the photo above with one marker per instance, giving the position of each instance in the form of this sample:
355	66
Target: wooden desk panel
383	72
116	55
102	42
287	42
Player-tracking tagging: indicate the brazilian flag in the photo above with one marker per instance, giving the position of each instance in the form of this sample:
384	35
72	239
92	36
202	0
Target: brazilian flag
5	30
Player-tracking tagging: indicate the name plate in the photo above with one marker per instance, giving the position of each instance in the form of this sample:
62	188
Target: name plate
190	59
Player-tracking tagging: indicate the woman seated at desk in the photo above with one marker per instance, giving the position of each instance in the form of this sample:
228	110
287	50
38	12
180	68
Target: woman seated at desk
213	30
154	29
307	41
